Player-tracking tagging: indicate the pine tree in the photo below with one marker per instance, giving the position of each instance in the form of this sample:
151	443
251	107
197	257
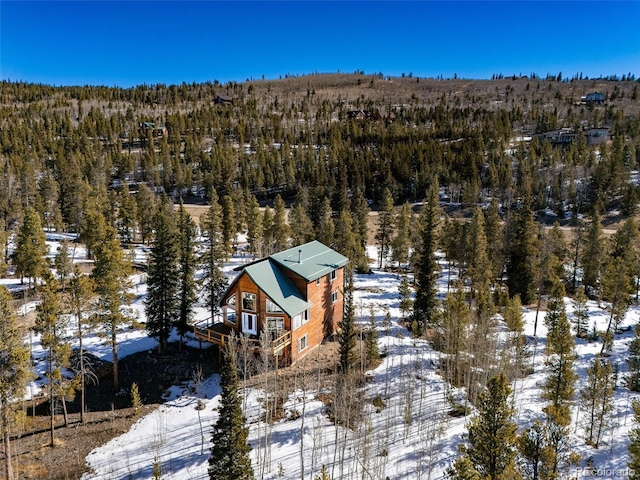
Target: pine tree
522	250
494	232
386	221
360	211
29	254
532	446
634	444
15	372
301	225
279	226
111	277
597	400
453	336
162	303
63	264
348	336
401	243
425	304
561	377
228	223
81	290
212	256
592	255
580	313
406	303
187	263
254	226
325	229
344	238
633	379
371	340
230	451
51	325
492	434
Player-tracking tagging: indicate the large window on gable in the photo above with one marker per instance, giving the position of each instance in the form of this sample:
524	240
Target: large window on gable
272	307
231	300
249	301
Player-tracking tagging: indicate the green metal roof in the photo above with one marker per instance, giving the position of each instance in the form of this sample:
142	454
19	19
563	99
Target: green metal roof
311	260
277	286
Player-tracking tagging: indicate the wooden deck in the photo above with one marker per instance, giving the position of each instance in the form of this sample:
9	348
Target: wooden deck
219	333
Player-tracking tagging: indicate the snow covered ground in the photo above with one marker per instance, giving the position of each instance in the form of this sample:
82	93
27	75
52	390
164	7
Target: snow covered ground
409	436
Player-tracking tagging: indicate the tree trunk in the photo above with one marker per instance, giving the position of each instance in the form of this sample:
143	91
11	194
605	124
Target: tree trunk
8	467
114	355
64	411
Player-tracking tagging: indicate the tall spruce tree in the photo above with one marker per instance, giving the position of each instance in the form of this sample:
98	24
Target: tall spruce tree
559	385
492	434
187	264
212	256
401	243
522	250
230	451
425	304
348	336
162	304
386	221
592	255
30	250
15	371
111	278
634	443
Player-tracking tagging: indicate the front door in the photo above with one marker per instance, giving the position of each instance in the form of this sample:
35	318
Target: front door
249	323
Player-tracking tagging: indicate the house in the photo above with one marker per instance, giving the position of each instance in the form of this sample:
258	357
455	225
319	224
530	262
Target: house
295	295
223	100
596	136
564	136
156	130
594	97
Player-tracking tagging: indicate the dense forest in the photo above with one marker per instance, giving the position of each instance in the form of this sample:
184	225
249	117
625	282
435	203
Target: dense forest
475	169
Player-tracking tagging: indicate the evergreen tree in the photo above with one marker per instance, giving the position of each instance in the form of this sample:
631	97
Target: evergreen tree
111	277
162	304
51	325
344	238
592	255
492	434
561	377
633	379
522	250
187	263
597	400
425	304
325	229
406	303
81	290
532	446
360	212
634	444
145	204
63	264
386	223
494	232
279	225
401	243
478	268
254	226
348	335
230	451
212	256
301	225
228	223
372	351
580	313
453	336
29	254
516	350
15	371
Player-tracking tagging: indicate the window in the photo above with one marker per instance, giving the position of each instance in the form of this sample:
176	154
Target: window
275	326
249	301
230	316
300	319
333	275
334	296
232	300
249	323
303	343
317	281
272	307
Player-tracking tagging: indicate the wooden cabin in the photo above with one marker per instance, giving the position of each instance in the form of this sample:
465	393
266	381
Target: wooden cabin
296	295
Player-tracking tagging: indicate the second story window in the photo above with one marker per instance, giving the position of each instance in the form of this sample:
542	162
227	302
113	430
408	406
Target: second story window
333	275
249	301
272	307
334	296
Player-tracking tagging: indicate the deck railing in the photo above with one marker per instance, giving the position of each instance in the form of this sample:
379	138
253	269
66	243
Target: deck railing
217	338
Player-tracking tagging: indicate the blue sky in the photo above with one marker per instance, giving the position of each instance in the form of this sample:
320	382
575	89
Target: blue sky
128	43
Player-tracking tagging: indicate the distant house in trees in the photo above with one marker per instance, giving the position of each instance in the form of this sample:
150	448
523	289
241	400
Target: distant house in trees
156	130
296	295
596	136
597	98
224	100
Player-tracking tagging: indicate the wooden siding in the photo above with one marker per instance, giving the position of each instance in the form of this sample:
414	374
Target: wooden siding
324	315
